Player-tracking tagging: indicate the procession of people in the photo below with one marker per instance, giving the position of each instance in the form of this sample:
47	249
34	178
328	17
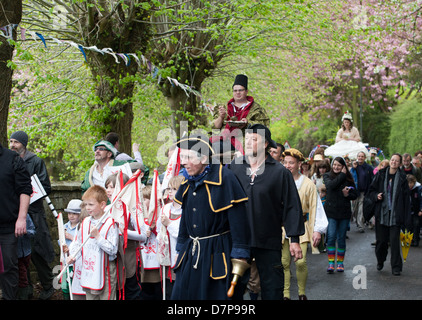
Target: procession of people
208	229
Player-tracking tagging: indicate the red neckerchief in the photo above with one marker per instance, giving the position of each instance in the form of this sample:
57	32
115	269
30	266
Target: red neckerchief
240	113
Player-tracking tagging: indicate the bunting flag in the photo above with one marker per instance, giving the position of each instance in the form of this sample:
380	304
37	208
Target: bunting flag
173	168
7	32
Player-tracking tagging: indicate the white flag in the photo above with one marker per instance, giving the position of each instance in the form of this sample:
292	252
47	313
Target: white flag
173	168
155	200
127	201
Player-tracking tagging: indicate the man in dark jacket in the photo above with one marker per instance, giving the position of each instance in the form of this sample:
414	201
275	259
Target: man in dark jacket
365	175
15	192
409	168
42	247
213	225
273	202
390	191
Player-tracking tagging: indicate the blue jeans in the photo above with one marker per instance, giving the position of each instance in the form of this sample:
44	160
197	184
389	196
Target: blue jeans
336	230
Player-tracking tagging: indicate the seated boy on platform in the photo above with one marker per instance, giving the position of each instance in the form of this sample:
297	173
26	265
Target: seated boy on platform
99	275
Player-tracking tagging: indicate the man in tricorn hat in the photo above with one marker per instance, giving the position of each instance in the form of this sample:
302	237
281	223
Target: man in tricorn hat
240	111
213	226
273	202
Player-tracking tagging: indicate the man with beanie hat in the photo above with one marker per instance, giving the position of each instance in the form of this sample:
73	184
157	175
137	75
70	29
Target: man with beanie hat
42	251
240	111
21	137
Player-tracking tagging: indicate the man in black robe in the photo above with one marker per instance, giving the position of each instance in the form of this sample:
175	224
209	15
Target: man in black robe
273	202
213	226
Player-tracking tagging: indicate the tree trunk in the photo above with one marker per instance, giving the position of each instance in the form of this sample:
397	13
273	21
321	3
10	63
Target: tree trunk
186	107
10	13
114	112
123	32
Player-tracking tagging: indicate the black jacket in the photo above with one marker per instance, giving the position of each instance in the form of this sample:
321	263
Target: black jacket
273	202
402	207
365	174
213	210
337	206
42	240
14	181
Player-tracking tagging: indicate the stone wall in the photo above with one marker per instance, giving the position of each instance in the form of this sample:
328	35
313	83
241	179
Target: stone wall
62	192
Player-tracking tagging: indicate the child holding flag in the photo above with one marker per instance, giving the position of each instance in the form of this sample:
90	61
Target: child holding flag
98	274
129	249
73	211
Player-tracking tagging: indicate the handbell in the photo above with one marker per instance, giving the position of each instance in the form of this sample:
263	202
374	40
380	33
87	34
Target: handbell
238	270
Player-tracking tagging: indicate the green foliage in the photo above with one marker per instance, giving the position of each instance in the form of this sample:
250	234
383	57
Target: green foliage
303	134
49	102
406	135
54	92
376	129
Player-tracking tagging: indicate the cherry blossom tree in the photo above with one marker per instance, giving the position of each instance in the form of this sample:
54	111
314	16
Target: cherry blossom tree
374	71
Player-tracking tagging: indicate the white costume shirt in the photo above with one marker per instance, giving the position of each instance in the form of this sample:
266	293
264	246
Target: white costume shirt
92	254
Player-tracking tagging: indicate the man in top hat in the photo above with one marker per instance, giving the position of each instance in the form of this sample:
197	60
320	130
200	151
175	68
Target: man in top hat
104	165
42	247
273	203
213	226
241	108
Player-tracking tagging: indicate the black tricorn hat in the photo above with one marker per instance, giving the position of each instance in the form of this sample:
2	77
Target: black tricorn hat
263	131
198	143
241	80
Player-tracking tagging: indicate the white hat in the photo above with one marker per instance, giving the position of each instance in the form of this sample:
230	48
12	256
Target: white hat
74	206
347	115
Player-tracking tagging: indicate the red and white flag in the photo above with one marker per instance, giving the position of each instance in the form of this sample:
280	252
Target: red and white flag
127	202
173	168
156	200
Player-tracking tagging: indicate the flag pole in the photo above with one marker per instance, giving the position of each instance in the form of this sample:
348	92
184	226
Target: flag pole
164	282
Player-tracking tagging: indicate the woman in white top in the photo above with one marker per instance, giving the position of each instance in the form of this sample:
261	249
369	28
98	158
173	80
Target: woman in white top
348	141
